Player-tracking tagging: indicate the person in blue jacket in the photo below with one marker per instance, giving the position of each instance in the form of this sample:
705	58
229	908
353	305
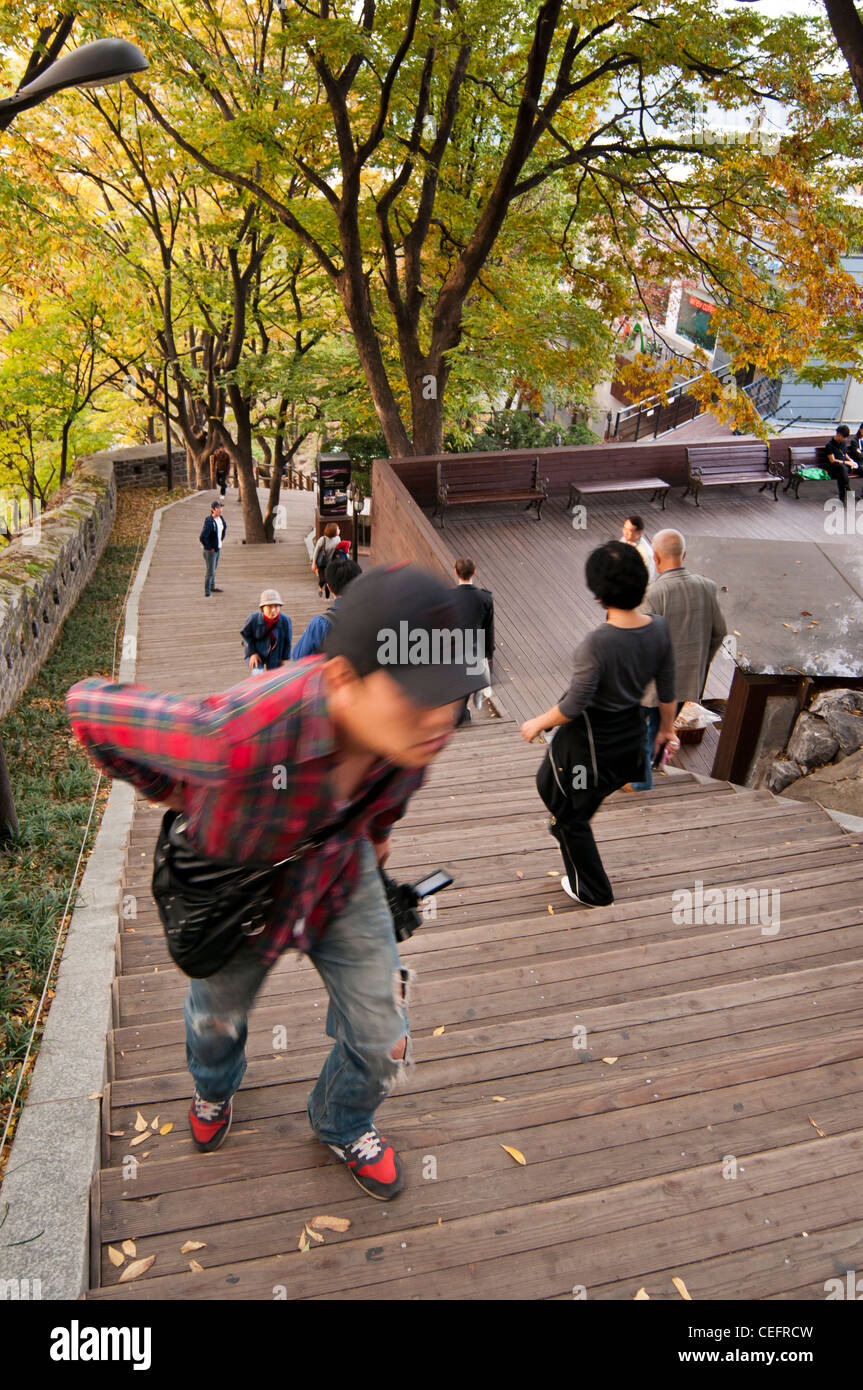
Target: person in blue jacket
267	635
339	573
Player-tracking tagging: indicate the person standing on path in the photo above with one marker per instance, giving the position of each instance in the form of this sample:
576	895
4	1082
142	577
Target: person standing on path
211	538
267	635
689	603
601	744
306	771
633	534
325	547
476	614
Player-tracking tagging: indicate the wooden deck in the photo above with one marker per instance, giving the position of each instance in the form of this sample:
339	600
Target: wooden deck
701	1043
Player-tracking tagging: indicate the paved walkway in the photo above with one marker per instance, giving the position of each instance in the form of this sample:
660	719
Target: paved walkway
627	1056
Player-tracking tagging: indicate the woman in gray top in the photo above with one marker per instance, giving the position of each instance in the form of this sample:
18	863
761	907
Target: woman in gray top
599	745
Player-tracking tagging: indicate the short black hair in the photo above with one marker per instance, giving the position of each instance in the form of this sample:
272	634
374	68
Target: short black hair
843	430
214	505
635	520
465	568
340	571
617	574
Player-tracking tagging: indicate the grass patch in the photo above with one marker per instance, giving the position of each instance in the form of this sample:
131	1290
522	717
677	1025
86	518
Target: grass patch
52	783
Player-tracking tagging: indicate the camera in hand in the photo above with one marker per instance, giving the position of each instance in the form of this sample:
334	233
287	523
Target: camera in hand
404	898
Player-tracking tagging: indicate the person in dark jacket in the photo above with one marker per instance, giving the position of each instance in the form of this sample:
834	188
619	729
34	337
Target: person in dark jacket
222	465
601	744
476	612
339	573
267	635
212	538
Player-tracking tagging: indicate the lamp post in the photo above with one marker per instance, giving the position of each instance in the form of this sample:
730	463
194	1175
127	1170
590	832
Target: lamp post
96	64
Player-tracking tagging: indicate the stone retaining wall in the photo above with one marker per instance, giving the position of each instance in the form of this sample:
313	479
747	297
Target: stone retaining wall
143	465
44	571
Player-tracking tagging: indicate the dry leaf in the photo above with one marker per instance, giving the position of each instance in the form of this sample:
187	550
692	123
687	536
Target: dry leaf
551	909
128	1248
519	874
133	1271
140	1139
97	1095
146	1153
154	1124
642	1293
609	1060
195	1267
329	1223
190	1245
736	633
314	1235
515	1153
436	1032
140	1122
804	613
681	1288
116	1133
115	1257
552	873
818	1131
303	1242
498	1097
166	1128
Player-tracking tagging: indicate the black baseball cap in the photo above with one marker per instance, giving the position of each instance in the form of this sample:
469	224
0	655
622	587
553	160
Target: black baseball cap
404	621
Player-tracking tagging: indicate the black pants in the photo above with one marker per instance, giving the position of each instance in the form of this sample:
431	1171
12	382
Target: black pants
600	752
839	472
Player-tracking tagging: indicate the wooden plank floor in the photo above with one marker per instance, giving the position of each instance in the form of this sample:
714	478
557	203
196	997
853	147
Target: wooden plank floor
635	1062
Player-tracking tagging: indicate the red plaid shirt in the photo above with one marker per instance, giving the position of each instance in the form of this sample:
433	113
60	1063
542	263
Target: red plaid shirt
253	766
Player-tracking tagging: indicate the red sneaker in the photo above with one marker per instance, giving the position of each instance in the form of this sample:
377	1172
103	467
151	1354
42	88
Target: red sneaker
210	1121
373	1164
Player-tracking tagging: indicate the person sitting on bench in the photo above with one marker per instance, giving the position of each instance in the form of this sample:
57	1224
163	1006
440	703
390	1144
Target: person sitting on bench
836	461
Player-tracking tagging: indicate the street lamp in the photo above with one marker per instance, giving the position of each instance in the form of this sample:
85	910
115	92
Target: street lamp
96	64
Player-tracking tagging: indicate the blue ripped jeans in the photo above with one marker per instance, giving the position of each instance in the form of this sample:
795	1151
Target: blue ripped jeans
358	961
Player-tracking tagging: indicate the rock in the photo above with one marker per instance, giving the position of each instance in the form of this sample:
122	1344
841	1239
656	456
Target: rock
847	727
811	743
840	699
782	773
839	786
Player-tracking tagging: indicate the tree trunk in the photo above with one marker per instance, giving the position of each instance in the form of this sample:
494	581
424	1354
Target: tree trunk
8	818
848	29
241	452
64	450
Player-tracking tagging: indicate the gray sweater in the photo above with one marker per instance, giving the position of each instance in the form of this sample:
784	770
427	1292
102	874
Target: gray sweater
613	665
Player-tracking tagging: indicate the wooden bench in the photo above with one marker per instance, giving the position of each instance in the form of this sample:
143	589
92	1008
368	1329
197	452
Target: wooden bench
660	488
498	480
721	465
812	457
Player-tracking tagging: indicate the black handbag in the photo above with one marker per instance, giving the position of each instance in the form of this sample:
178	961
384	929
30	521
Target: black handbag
208	908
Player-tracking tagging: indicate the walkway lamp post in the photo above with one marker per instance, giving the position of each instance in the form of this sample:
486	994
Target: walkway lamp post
97	64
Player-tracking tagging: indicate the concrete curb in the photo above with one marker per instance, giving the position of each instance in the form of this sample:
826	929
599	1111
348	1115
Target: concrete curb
56	1150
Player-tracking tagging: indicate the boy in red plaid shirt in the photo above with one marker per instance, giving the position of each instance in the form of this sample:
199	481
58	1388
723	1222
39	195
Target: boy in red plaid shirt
259	769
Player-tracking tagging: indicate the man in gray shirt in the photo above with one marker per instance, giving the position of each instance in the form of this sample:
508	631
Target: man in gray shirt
690	605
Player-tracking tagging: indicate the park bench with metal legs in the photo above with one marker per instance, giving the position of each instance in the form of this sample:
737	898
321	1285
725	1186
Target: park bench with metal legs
501	480
807	464
660	488
715	465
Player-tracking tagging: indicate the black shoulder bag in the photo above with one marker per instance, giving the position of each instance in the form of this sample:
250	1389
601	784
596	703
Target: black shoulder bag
207	906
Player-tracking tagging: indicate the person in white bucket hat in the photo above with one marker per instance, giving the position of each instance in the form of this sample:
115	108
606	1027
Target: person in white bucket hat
267	635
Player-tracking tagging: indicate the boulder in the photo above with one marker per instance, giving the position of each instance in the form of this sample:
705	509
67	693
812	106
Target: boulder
782	773
840	699
839	786
811	743
847	727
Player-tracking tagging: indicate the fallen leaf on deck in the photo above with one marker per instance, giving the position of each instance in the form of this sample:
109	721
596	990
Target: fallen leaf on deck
154	1124
519	874
551	909
609	1060
329	1223
818	1131
191	1245
804	613
498	1097
515	1153
642	1294
195	1267
97	1095
146	1153
436	1032
314	1235
140	1139
128	1247
552	873
115	1257
303	1242
681	1288
134	1270
116	1133
140	1122
167	1127
736	633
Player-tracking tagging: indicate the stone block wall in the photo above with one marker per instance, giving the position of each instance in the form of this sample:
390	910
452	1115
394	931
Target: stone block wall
143	465
44	571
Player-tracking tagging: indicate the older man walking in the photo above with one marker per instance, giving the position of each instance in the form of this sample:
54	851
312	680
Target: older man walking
690	605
